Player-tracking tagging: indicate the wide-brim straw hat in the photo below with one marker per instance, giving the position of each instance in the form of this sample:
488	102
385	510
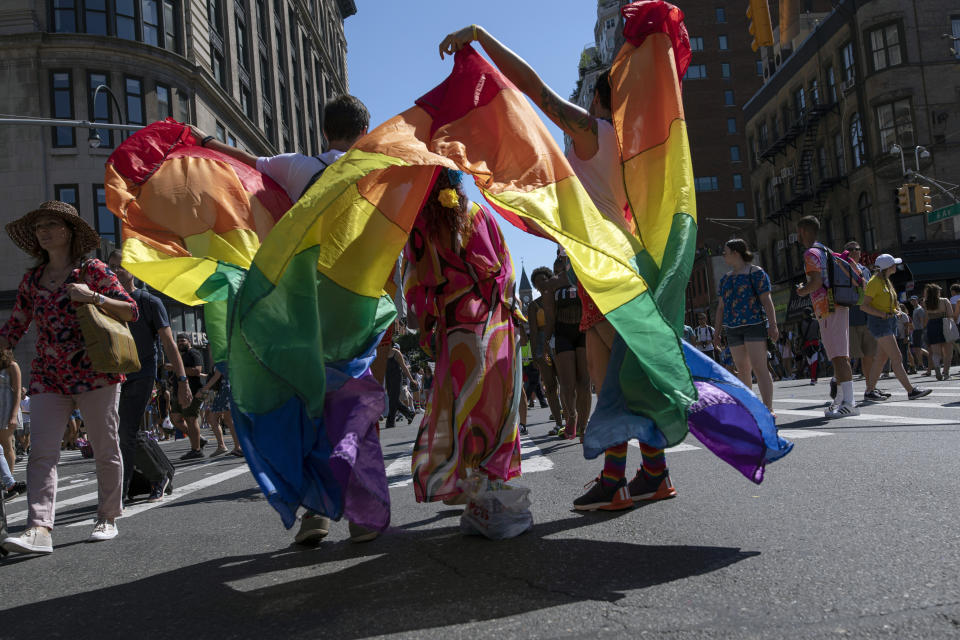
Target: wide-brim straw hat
21	230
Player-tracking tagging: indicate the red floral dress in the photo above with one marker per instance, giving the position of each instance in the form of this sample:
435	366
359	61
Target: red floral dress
62	365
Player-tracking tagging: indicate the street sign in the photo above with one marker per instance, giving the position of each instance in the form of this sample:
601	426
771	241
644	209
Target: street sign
942	214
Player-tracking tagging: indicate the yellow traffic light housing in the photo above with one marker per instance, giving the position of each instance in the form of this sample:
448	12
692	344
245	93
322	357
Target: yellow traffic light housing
758	13
923	200
904	201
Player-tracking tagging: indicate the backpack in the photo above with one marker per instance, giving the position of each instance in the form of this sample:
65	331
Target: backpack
315	176
843	281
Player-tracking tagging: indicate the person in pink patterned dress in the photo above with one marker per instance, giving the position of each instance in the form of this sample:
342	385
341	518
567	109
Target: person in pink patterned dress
459	284
62	376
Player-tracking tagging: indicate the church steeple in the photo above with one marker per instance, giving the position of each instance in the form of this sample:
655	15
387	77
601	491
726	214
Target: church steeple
525	290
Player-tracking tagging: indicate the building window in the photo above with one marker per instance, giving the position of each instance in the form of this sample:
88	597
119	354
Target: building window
125	21
61	99
728	98
741	210
735	153
849	64
731	125
243	45
134	96
814	92
231	140
838	155
799	102
724	69
696	72
217	64
721	14
262	24
95	17
885	47
64	16
100	110
610	23
108	225
738	181
709	183
821	167
164	104
869	232
215	16
763	137
760	68
858	150
723	43
151	22
955	29
246	101
183	104
896	124
757	206
68	193
831	85
170	25
220	133
696	44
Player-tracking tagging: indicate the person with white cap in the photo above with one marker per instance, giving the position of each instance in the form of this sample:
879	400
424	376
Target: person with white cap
880	305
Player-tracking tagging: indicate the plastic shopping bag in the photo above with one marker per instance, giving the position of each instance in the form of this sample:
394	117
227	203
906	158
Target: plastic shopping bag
495	510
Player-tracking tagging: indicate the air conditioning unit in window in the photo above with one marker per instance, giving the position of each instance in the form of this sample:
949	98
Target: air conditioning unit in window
792	238
847	85
779	245
775	180
786	172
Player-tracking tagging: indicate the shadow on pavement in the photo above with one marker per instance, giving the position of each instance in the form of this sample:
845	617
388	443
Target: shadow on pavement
404	581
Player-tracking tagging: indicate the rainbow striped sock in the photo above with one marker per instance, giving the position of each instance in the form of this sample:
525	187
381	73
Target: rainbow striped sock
654	462
614	465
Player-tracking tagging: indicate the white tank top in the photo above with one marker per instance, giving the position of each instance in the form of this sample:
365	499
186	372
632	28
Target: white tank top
602	176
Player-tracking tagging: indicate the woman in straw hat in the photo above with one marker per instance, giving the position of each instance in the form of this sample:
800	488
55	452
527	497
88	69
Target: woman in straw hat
61	375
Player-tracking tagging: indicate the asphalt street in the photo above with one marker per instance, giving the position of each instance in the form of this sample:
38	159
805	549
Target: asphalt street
854	534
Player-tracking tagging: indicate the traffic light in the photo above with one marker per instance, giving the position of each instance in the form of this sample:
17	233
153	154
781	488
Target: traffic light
758	13
904	202
923	200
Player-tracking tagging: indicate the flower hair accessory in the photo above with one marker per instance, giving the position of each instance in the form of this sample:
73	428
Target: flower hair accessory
449	198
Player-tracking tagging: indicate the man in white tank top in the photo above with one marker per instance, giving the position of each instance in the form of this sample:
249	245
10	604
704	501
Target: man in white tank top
595	157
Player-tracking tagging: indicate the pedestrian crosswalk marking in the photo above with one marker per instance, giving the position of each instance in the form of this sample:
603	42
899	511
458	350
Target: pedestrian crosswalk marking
799	434
683	446
532	461
900	402
875	417
209	481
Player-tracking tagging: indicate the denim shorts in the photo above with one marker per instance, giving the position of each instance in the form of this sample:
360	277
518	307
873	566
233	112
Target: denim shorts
880	327
736	336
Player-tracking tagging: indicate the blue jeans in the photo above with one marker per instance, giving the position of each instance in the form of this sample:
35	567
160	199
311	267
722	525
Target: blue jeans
6	478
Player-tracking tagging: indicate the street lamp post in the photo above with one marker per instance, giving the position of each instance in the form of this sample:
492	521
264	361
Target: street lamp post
94	140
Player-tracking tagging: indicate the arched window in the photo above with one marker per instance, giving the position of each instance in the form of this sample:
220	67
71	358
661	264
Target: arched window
867	228
858	149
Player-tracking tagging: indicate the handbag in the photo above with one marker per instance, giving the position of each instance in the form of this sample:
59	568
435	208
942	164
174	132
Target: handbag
109	343
950	331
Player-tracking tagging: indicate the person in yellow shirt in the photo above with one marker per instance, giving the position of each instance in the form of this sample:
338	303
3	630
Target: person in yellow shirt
880	305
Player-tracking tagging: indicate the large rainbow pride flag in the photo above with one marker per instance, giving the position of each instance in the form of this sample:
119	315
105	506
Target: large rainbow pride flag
306	316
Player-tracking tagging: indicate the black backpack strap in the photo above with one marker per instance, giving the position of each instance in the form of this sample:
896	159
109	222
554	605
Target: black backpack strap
315	176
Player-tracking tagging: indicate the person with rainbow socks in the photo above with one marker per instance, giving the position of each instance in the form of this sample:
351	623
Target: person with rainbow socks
595	159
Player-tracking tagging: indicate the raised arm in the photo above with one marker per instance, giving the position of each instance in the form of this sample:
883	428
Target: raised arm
225	149
573	119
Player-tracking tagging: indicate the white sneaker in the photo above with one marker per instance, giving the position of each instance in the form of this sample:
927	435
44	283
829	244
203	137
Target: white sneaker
33	540
841	411
105	530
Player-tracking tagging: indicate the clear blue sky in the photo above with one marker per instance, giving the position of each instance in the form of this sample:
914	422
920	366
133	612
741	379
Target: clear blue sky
393	59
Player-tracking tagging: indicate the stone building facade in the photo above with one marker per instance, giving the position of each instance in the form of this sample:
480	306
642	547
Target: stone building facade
864	77
254	73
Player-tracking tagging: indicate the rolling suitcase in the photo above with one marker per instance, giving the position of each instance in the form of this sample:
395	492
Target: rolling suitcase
150	466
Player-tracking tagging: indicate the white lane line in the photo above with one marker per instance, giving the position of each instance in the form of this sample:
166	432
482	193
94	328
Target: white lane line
87	497
872	417
532	461
900	402
136	509
799	434
78	482
674	449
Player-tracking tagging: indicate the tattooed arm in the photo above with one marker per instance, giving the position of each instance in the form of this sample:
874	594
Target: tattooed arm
574	120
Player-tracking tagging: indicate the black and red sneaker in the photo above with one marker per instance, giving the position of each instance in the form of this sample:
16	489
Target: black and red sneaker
614	498
645	487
